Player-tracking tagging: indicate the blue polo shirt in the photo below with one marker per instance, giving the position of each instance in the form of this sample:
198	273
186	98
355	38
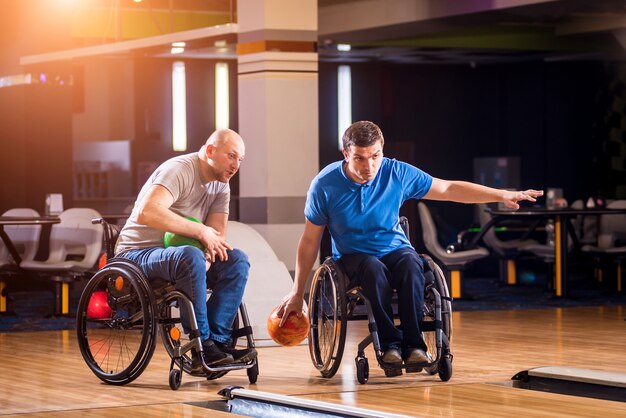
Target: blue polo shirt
363	218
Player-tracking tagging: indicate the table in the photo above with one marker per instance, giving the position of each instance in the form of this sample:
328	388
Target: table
562	223
18	220
22	220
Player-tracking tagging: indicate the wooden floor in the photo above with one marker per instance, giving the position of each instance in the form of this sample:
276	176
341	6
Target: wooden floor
44	375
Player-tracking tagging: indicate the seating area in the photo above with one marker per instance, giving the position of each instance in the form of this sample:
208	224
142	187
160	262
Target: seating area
56	252
507	250
73	248
454	261
592	239
610	251
25	240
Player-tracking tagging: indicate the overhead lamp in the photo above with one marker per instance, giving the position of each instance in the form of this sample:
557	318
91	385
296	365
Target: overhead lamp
344	47
220	46
222	115
177	48
179	107
344	101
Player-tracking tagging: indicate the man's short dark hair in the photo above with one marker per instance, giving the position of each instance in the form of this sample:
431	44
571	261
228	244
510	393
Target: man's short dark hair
362	134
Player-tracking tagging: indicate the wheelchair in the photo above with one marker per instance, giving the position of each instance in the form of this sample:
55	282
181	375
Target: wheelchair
331	305
120	313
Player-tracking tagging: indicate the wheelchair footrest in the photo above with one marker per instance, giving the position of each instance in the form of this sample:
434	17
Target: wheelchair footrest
225	368
414	369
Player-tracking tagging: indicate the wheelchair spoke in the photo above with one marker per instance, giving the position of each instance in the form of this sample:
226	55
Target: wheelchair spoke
327	304
118	344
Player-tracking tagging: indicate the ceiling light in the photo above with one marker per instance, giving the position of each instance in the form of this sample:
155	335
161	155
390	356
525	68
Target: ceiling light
178	44
177	50
179	107
221	96
344	47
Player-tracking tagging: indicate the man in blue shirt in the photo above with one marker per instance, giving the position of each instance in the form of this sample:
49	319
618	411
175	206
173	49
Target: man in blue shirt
359	200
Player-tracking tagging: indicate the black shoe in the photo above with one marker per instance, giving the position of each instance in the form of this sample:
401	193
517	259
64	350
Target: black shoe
242	355
212	357
392	356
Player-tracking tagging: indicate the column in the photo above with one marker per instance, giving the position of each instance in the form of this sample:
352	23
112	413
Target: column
278	117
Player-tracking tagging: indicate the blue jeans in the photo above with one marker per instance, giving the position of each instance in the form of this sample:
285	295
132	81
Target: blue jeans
185	266
403	271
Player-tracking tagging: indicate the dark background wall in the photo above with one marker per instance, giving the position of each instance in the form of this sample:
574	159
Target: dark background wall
554	116
35	145
442	117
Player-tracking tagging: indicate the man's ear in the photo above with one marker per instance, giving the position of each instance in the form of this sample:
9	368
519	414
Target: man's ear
345	154
210	149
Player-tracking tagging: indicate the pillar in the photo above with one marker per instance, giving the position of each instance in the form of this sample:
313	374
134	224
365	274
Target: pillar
278	117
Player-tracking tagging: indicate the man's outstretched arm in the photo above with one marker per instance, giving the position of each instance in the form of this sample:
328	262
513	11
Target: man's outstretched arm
466	192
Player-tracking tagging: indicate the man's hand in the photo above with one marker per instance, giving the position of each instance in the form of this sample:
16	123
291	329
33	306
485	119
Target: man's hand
215	246
510	199
290	303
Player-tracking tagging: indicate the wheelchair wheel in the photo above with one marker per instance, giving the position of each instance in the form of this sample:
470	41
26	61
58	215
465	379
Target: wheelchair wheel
362	370
445	369
173	336
328	318
446	319
253	373
175	379
116	323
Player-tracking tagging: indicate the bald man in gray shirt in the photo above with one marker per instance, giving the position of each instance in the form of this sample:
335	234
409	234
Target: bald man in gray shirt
194	185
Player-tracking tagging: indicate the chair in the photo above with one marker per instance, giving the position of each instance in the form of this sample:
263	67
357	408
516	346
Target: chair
75	245
455	262
121	313
25	239
507	250
611	244
585	226
330	308
546	252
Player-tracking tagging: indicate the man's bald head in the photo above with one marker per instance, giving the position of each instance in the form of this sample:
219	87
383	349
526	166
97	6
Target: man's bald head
223	152
221	137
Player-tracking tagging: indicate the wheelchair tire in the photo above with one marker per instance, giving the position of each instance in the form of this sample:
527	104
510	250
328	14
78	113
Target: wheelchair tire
253	373
118	342
328	318
362	370
446	304
429	315
445	369
175	379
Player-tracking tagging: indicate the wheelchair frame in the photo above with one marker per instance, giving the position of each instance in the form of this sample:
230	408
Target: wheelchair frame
331	305
118	347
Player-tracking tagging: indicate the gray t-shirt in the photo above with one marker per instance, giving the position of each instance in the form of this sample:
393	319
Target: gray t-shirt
182	177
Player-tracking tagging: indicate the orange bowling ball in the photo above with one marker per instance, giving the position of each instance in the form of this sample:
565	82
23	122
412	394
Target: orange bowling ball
293	332
98	307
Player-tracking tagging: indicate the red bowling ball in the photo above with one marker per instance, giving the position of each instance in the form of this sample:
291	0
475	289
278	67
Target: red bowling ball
98	307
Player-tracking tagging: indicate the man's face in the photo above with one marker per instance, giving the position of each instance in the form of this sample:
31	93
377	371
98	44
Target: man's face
226	158
363	162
